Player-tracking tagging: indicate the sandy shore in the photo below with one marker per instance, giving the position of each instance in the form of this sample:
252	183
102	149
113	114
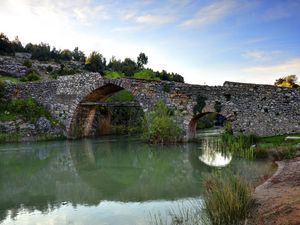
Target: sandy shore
277	201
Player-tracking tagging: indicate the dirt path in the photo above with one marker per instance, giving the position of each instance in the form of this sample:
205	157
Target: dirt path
277	201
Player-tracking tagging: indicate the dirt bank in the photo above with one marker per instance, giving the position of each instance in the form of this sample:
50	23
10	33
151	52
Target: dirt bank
277	201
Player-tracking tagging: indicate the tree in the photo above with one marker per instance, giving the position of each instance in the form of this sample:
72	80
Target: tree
287	81
66	55
115	65
95	62
129	67
142	60
5	45
39	52
78	55
178	78
17	45
55	54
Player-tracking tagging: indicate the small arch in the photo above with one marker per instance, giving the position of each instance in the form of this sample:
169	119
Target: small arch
218	121
83	117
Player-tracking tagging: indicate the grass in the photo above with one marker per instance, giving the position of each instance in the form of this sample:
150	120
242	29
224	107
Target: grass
250	147
239	145
277	147
226	199
17	137
9	137
146	74
112	74
180	215
12	79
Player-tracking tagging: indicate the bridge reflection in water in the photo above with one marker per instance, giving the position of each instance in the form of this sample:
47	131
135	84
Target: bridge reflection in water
212	154
110	181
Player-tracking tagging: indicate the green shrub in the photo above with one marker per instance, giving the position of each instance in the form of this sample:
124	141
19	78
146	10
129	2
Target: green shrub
28	109
146	74
112	74
159	126
226	199
27	63
288	152
30	76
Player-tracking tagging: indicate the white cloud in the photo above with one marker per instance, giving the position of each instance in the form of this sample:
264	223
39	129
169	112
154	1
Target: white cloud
260	56
154	19
210	13
87	15
126	29
291	66
58	23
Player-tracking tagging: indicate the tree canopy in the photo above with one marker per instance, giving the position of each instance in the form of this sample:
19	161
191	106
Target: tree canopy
142	60
287	81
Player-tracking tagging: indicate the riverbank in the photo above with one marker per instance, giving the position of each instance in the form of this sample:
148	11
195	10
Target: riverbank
277	201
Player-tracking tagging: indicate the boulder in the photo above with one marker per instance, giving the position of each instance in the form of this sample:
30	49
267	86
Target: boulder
27	129
7	127
43	125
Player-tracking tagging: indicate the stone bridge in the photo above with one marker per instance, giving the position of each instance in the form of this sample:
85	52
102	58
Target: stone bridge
262	110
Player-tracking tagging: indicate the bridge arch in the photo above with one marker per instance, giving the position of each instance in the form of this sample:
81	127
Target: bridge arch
210	107
83	116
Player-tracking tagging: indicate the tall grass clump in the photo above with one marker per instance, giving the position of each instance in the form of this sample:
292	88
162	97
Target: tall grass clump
183	214
159	127
226	200
239	145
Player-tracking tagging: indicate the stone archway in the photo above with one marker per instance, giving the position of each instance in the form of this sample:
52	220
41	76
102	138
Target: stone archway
84	114
192	127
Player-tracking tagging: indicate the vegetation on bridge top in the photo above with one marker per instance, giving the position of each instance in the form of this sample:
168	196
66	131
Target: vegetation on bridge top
95	62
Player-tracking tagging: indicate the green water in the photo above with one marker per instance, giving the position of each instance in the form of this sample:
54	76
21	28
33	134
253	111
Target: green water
106	181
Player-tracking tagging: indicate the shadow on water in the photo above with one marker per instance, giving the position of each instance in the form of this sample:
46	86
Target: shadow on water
112	174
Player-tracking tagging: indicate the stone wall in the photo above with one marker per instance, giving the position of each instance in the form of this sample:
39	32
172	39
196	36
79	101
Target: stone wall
262	110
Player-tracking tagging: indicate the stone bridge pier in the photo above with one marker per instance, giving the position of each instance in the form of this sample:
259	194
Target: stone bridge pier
262	110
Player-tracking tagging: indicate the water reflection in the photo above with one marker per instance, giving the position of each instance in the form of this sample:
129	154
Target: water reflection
212	154
101	181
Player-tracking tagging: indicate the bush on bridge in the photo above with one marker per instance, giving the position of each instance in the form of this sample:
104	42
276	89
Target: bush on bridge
159	126
25	108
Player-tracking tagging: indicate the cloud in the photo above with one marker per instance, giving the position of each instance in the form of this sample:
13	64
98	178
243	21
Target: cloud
126	29
210	14
154	19
88	14
291	66
257	55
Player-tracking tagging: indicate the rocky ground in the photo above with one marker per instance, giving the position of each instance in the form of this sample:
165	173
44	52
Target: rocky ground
30	131
14	67
277	201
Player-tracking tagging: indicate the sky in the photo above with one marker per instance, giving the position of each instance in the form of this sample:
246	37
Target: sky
206	41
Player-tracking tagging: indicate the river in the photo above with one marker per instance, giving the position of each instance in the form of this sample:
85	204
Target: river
112	180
